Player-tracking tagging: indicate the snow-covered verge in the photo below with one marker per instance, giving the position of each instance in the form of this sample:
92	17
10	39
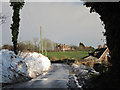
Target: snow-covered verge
83	73
14	69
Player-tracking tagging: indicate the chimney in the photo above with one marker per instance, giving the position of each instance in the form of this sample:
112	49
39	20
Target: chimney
99	46
105	46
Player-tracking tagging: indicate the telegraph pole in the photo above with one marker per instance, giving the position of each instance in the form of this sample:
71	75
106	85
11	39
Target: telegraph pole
41	39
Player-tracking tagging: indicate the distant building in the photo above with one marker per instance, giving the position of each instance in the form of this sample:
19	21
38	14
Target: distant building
63	47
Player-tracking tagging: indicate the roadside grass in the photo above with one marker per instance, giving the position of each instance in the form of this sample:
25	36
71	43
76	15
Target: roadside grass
67	55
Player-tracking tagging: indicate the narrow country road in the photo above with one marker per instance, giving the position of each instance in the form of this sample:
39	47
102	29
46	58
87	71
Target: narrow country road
58	77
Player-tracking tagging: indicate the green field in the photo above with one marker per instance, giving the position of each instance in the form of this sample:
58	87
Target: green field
68	55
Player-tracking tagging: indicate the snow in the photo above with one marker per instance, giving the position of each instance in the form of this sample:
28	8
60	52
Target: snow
83	73
37	63
14	68
82	69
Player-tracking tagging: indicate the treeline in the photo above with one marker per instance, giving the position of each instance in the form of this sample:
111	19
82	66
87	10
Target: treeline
35	46
82	47
32	46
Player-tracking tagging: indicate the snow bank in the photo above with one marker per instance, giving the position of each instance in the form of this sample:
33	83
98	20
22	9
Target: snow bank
82	69
37	63
12	67
83	73
15	68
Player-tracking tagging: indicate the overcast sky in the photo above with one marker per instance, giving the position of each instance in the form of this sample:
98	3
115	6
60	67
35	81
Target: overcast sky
62	22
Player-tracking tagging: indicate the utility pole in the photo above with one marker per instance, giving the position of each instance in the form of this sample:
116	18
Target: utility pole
41	39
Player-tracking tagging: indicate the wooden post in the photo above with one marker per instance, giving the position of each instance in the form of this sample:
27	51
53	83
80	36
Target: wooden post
41	39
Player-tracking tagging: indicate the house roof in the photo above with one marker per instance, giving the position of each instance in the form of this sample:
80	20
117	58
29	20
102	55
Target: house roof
98	52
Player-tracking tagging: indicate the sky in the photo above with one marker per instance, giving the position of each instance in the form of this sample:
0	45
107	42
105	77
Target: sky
62	22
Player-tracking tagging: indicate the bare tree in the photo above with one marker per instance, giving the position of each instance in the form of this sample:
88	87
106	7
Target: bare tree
36	43
2	18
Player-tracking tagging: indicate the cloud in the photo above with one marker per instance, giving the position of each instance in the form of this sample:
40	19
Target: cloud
63	22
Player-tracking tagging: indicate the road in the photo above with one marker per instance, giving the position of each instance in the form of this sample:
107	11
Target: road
59	76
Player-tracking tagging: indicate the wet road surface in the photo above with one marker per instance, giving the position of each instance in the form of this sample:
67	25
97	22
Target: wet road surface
59	76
